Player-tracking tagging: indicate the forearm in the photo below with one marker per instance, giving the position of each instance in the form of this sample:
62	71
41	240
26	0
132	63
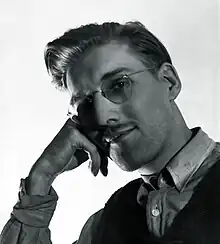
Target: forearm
38	184
40	178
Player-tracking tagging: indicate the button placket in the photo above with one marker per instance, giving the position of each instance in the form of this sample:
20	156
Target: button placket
155	211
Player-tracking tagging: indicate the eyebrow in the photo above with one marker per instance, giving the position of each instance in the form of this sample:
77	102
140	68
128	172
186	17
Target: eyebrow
114	72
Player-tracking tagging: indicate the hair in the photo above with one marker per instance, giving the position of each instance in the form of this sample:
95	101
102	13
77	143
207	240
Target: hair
68	48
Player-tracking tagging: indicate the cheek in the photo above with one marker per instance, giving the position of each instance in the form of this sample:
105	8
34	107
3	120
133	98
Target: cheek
151	111
140	105
136	106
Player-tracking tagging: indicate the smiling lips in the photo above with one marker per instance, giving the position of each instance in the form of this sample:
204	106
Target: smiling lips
117	136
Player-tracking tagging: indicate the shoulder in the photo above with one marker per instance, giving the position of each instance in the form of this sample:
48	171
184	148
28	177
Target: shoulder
131	188
89	228
92	224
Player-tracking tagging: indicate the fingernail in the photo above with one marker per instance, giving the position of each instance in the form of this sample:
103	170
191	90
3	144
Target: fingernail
93	170
96	173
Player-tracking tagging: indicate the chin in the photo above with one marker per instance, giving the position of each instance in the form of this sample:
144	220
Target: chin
131	160
126	167
126	164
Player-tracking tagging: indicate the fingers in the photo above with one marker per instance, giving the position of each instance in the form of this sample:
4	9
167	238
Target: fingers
81	156
88	143
96	137
96	161
104	165
69	149
79	143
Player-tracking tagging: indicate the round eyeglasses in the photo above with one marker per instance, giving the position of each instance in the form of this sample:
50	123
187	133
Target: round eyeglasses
117	90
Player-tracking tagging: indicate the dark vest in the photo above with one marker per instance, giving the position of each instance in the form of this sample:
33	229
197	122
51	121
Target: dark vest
124	222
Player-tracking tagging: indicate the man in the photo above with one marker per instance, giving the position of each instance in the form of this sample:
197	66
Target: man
123	87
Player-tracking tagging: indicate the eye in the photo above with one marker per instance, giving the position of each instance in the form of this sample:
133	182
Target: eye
89	98
119	83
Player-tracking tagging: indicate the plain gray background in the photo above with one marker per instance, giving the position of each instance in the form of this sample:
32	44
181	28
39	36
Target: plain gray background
32	111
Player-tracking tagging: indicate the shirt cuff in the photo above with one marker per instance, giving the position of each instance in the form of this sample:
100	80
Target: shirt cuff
35	211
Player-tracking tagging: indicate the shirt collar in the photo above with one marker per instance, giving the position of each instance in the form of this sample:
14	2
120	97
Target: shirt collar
188	160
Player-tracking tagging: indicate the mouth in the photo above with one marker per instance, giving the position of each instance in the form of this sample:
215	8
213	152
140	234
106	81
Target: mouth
119	136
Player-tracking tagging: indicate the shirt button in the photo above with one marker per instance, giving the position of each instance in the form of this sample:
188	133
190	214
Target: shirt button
155	212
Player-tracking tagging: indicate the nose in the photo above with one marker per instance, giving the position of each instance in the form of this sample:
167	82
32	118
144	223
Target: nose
107	113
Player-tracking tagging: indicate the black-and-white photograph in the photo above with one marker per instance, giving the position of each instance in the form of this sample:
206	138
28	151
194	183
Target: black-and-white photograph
110	122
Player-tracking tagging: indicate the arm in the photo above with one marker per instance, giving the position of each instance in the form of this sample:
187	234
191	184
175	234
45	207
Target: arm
37	199
30	219
90	228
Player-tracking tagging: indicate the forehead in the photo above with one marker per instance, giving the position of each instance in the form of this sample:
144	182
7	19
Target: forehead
101	61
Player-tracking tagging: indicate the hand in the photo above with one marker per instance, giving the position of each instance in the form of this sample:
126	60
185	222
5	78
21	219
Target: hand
67	151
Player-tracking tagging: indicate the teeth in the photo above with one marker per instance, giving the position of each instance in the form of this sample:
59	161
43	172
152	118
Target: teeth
110	139
107	139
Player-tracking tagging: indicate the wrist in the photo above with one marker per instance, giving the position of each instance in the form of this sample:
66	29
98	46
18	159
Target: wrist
38	184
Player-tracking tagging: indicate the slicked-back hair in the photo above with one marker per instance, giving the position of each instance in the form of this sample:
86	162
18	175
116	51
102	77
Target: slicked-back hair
64	51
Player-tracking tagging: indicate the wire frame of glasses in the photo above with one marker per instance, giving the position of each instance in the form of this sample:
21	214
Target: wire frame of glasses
117	90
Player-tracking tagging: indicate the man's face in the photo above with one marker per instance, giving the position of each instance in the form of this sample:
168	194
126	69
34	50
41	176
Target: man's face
145	119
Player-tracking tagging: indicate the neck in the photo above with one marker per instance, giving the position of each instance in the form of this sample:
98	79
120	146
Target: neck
178	138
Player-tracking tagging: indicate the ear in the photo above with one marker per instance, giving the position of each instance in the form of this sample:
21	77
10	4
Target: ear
167	73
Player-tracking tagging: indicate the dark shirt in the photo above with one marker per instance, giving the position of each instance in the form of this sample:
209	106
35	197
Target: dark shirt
162	199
